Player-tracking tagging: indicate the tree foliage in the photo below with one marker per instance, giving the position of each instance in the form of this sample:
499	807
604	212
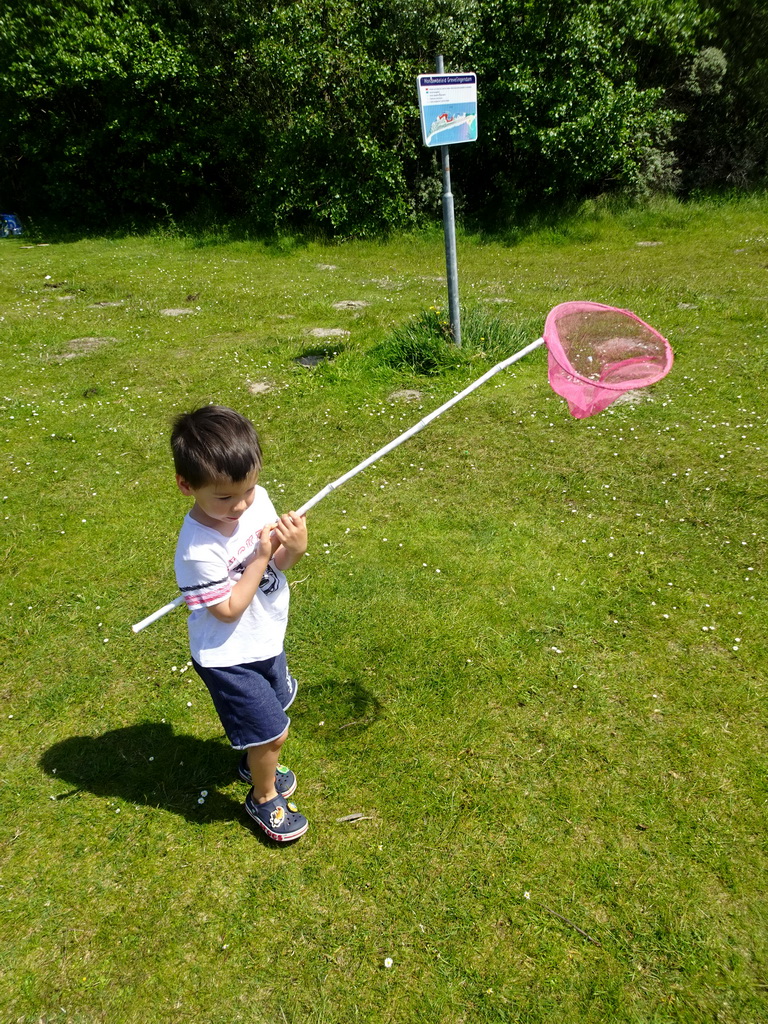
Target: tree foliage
724	136
303	114
575	92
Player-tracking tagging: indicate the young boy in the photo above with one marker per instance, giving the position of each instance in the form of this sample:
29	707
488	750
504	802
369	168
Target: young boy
230	558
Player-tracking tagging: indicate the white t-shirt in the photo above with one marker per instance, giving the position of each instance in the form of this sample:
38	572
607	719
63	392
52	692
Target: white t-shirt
207	565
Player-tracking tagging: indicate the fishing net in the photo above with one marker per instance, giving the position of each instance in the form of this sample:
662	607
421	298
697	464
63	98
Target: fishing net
597	352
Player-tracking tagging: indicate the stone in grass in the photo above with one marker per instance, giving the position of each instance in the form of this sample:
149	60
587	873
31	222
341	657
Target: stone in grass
648	244
260	387
321	353
351	304
328	332
177	312
106	305
326	266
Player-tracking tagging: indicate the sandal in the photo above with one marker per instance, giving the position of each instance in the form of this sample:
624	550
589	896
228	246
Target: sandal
280	820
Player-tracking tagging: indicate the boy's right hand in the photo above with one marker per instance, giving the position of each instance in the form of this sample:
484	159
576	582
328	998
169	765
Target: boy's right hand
269	542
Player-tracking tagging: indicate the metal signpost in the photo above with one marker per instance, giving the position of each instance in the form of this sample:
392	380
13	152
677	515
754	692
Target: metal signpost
448	108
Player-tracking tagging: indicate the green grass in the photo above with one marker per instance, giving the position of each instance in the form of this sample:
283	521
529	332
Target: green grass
572	707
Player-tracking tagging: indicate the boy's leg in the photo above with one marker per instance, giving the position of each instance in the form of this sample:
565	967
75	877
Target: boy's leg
262	764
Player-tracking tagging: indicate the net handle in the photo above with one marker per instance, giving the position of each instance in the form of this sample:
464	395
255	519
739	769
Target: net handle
418	426
335	484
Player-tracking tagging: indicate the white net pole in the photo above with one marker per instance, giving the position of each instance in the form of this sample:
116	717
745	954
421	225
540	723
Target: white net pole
335	484
138	626
417	427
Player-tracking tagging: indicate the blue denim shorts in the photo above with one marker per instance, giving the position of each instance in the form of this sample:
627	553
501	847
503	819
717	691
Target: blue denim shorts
251	700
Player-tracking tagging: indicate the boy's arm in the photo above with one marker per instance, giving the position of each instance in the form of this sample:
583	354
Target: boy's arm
244	591
291	532
286	540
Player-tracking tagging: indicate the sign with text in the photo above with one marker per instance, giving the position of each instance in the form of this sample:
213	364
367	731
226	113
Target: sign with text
448	107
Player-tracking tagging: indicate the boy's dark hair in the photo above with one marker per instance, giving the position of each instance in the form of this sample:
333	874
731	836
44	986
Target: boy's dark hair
214	443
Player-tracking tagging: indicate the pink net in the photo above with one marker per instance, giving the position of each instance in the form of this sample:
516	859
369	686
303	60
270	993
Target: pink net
596	353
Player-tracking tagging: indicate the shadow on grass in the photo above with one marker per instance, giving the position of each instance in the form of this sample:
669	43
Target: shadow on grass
345	704
149	764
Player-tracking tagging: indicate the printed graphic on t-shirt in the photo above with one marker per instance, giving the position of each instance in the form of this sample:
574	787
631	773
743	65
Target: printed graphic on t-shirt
270	581
239	560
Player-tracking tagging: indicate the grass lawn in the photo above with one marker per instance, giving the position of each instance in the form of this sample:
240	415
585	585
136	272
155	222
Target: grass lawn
529	648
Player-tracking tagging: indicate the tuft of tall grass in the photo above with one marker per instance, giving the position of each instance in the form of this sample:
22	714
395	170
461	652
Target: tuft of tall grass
425	343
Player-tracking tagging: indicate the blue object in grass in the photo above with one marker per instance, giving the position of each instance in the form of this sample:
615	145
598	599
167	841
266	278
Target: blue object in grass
10	226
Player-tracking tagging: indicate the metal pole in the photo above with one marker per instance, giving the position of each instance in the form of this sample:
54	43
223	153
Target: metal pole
449	230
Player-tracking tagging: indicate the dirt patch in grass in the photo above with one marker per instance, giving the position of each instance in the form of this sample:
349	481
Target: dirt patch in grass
406	395
328	332
632	398
82	347
387	283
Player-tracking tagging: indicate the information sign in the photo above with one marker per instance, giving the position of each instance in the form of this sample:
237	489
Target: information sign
448	107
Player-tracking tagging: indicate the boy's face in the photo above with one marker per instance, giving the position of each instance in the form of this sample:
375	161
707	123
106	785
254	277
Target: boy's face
221	502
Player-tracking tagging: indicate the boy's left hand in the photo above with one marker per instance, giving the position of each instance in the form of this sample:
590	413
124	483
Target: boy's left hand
291	531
